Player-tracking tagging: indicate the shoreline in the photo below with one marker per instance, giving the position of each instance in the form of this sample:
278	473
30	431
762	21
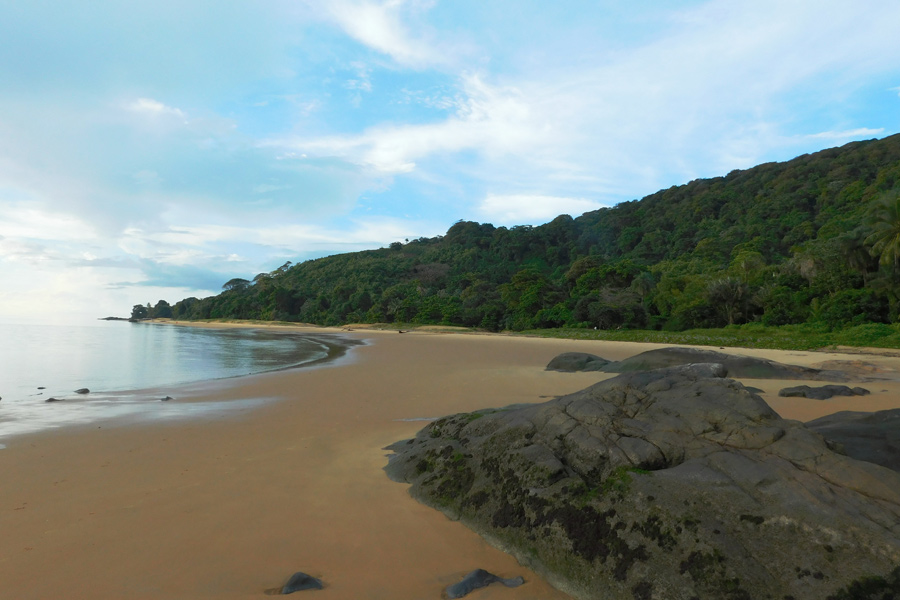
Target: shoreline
387	327
336	350
120	390
231	504
801	409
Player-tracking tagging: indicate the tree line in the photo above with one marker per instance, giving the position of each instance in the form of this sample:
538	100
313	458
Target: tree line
811	240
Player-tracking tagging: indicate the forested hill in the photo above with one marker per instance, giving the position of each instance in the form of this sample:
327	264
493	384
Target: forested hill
780	243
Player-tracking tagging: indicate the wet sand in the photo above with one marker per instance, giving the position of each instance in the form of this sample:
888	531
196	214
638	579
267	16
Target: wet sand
231	504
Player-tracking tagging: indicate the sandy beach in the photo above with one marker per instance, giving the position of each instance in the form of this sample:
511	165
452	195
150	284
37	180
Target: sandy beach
230	505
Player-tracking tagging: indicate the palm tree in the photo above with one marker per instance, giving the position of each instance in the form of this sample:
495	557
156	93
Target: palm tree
852	246
885	237
729	296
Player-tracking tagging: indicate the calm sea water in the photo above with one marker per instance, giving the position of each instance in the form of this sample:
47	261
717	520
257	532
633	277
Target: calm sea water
114	358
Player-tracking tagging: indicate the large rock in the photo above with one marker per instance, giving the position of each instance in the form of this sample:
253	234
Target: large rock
822	392
873	437
736	365
669	484
572	362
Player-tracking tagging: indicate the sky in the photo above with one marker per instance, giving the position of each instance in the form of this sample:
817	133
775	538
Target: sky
155	150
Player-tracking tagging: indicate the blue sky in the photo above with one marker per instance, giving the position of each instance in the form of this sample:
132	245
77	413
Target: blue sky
156	150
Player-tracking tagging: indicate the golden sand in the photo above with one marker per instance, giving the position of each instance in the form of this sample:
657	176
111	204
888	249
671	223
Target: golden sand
228	505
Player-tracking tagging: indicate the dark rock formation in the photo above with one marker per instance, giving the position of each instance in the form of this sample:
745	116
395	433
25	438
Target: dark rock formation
823	392
167	398
873	437
300	581
53	400
82	391
735	365
674	483
871	588
479	578
571	362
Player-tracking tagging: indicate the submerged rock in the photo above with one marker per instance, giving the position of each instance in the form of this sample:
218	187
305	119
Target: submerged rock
571	362
673	483
823	392
869	436
479	578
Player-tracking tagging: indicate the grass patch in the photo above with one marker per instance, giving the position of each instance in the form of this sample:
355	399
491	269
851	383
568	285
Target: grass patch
620	479
751	335
582	495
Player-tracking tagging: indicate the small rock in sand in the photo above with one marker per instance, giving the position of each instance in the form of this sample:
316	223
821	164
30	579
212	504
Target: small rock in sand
479	578
300	581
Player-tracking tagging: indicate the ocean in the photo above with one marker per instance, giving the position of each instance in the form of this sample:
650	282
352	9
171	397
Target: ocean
127	365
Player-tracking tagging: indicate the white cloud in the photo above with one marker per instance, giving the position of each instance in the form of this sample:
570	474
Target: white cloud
93	278
493	120
438	99
713	92
28	220
382	27
862	132
363	81
154	108
14	250
45	293
296	238
533	209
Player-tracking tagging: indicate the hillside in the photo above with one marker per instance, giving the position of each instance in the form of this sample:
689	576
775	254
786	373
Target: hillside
780	243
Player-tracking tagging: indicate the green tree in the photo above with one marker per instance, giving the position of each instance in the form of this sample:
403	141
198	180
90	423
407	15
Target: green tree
885	237
162	310
729	296
782	242
236	284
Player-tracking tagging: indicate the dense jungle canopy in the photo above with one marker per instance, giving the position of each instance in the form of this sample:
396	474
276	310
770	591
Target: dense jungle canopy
812	240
